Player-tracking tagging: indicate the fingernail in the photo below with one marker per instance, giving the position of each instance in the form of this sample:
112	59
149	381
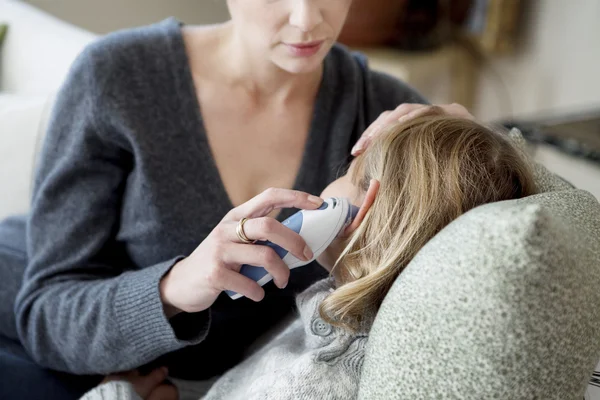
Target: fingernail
316	200
283	286
308	253
357	147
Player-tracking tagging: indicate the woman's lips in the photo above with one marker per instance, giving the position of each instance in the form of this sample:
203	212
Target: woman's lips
305	49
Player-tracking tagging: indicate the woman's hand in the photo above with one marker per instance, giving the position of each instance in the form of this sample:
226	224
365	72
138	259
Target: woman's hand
405	112
194	283
148	387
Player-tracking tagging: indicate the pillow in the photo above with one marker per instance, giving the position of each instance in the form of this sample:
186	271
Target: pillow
502	303
22	126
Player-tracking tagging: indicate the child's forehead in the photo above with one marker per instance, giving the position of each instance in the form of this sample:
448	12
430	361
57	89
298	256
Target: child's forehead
353	173
352	165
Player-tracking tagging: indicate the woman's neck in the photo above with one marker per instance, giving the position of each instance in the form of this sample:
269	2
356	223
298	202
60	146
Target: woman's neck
257	75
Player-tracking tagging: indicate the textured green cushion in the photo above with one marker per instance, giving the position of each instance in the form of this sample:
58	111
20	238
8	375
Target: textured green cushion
502	303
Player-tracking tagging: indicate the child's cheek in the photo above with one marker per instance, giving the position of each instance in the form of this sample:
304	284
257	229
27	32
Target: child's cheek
341	187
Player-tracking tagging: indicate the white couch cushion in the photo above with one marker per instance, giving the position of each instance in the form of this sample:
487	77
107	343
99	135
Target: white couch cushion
38	49
22	126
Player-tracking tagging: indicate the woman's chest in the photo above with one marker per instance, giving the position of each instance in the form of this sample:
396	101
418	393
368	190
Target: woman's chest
254	153
255	147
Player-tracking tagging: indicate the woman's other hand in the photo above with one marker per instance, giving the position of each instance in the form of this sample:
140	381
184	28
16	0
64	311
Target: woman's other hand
403	113
148	387
194	283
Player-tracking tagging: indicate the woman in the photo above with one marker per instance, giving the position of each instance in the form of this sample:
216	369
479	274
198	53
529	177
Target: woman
414	180
161	140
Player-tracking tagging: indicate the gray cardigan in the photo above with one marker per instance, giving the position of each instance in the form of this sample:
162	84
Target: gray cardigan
127	185
310	359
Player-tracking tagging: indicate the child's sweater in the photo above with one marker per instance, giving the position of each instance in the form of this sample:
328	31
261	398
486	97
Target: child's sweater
310	359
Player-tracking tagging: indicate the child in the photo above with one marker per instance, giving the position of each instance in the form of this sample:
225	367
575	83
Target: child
411	182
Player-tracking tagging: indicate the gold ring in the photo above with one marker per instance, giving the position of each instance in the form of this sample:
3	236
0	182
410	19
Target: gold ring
240	232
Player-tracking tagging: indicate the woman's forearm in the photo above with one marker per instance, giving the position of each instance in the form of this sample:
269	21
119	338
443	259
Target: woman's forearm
99	326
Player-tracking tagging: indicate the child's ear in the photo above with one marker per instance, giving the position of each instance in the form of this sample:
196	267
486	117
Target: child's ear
364	207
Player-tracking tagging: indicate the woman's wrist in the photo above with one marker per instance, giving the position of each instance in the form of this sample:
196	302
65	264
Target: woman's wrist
169	308
170	311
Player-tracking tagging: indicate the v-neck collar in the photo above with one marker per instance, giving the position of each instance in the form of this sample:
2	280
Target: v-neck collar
316	142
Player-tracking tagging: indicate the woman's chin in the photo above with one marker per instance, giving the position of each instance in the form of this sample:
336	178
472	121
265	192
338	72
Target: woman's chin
299	65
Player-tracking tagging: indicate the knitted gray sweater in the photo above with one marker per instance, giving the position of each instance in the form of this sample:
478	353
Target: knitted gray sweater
310	359
127	185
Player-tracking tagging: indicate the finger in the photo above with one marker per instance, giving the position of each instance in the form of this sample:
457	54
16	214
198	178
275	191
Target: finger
404	109
419	112
266	228
375	126
232	280
260	256
164	392
386	118
402	114
368	139
457	110
145	384
271	199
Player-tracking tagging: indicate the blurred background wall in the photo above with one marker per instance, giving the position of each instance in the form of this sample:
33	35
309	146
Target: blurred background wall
108	15
556	67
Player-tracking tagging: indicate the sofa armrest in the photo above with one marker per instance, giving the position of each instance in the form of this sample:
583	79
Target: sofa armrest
23	119
38	49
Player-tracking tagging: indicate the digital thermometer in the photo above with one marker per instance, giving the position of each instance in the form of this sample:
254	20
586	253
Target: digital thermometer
317	227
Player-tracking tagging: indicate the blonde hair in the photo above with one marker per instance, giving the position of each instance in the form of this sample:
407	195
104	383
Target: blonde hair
432	169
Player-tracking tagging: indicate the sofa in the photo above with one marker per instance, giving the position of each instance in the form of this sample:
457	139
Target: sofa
34	60
501	304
